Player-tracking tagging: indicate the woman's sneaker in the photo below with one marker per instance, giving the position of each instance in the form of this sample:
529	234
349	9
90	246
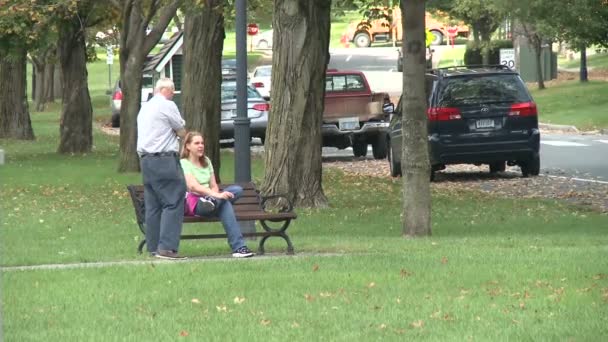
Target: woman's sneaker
242	252
207	205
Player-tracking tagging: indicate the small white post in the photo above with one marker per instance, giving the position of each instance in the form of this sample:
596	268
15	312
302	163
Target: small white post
1	156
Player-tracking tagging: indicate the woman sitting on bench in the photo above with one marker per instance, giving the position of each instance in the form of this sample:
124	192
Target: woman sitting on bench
204	197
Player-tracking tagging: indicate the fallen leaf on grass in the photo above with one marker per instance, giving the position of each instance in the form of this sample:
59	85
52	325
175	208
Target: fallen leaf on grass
309	297
315	268
222	308
371	285
444	260
265	322
382	326
417	324
183	333
239	300
195	301
404	273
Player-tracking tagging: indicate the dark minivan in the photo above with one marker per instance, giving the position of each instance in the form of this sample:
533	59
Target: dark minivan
476	115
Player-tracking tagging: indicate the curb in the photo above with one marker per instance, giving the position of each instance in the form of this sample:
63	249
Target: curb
564	128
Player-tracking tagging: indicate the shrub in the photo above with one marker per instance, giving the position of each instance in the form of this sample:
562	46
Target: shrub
472	55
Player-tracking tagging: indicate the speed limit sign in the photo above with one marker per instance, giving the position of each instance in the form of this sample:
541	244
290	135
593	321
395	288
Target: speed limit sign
507	57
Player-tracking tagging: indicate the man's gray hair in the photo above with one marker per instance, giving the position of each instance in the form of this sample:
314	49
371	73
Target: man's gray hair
164	83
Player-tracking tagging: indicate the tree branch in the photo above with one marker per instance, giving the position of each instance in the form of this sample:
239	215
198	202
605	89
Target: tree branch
168	12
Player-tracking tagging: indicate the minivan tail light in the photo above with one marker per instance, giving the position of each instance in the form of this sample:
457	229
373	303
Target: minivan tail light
523	109
258	84
443	114
117	95
262	107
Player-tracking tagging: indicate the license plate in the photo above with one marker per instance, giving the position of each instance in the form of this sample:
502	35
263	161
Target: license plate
485	123
348	124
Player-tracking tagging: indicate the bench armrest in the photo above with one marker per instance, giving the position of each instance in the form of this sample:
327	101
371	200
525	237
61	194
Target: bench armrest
282	199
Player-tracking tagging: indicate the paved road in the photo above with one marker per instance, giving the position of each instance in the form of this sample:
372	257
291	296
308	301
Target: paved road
579	156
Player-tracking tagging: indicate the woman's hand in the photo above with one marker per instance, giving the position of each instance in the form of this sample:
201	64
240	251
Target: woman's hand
225	195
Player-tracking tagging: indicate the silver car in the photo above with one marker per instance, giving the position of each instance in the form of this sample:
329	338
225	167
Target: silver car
257	111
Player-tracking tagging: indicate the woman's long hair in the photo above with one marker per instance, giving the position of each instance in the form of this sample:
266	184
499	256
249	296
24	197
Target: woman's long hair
186	154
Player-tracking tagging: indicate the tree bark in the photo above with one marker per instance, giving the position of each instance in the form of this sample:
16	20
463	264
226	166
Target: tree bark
39	68
134	47
76	123
293	137
537	44
415	165
202	77
583	68
15	122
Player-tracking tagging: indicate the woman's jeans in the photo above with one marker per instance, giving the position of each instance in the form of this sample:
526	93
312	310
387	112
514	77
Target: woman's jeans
225	212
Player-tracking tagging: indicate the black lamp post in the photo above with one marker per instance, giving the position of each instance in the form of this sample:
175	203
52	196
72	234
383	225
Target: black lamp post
242	137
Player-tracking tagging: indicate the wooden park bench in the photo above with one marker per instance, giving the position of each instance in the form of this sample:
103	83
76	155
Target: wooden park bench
250	207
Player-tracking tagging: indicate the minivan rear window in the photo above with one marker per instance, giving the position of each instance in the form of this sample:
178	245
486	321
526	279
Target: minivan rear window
482	89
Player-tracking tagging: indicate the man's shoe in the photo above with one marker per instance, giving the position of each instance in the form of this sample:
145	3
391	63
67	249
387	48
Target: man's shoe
242	252
169	255
207	205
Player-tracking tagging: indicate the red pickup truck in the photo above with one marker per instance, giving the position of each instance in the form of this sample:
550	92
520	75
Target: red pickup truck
355	115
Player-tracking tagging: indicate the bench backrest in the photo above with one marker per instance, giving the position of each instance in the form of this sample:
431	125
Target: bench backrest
249	203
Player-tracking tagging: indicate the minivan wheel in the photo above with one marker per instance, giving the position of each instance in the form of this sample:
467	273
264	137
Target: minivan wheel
379	147
531	167
360	149
394	166
497	167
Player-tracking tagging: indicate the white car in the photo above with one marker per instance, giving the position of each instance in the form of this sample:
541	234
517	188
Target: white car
263	40
260	80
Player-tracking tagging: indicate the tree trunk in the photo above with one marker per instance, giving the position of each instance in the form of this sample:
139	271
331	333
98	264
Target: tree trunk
293	137
537	43
135	45
76	123
485	45
583	71
15	120
415	165
49	79
39	68
202	77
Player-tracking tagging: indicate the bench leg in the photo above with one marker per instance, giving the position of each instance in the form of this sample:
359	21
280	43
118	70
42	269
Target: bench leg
280	232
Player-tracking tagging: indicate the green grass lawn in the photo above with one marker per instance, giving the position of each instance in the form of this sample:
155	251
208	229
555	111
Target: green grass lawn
573	103
494	269
596	61
451	56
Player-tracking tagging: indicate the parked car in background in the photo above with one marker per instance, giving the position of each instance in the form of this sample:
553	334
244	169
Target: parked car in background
260	80
354	115
481	115
262	40
228	68
257	111
116	99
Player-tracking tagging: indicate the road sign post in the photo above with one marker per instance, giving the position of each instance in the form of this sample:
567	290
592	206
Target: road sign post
507	57
109	61
252	30
452	32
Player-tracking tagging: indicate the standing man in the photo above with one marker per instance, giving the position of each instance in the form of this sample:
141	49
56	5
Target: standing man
159	124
